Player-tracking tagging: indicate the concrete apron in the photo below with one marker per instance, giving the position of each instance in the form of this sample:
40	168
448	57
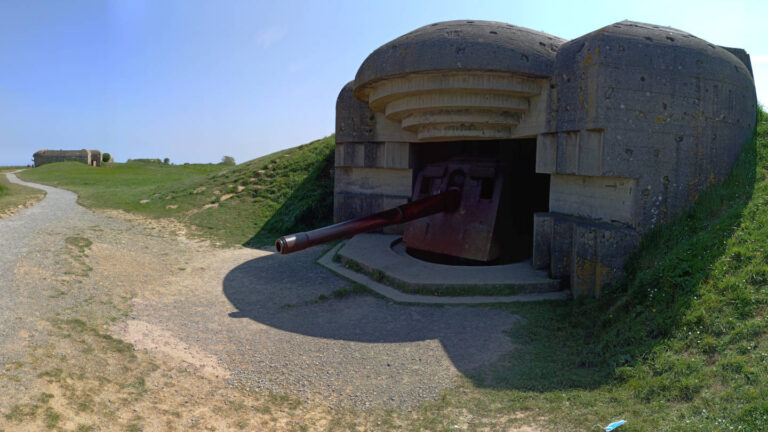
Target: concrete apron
385	253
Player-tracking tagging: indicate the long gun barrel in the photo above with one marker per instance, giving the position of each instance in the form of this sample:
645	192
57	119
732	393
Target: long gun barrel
443	202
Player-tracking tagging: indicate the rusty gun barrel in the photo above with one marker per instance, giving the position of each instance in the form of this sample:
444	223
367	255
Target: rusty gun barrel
442	202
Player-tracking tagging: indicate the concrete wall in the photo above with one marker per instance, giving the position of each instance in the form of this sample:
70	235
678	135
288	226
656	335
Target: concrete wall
413	90
88	157
632	121
645	118
95	158
373	160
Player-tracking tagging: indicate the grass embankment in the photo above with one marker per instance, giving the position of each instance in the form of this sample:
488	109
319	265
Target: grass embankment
250	203
13	196
679	344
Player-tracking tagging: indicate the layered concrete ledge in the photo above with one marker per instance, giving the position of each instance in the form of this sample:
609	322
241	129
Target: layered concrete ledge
374	253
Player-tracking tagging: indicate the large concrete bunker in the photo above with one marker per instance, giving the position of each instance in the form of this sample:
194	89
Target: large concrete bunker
604	137
88	157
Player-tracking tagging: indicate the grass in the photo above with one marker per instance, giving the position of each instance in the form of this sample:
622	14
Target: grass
251	203
680	343
77	248
12	195
27	411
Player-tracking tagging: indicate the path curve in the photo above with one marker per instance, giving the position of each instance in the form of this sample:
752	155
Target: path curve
16	234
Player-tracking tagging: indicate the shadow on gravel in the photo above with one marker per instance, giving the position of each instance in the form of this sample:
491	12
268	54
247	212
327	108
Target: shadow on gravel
283	292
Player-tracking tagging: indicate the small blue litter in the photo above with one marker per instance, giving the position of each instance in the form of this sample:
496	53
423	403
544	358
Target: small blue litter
614	425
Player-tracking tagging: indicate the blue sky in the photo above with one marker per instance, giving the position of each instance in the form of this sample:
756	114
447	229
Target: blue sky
194	80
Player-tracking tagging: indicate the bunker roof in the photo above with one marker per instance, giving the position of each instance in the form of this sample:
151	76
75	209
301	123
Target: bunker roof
462	44
668	47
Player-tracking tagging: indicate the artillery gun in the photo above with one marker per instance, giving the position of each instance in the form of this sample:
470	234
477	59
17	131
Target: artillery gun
454	211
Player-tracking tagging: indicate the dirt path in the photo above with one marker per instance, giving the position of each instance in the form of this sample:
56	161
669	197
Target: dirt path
111	321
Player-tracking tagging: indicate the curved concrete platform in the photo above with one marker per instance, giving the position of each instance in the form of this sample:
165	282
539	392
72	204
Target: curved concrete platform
375	253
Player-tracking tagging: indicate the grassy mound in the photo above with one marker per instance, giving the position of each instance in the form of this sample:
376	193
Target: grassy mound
250	203
679	344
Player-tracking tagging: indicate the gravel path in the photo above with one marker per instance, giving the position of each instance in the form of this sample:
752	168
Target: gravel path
18	236
256	319
56	263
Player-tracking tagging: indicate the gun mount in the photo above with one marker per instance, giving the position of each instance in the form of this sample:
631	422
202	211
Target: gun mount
454	210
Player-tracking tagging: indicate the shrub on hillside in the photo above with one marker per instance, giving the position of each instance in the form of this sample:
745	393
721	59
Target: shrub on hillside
228	160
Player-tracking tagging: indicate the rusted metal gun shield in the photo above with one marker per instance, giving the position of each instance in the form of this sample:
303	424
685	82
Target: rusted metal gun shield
471	231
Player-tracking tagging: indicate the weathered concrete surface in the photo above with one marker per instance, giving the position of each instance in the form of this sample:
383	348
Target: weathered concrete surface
463	44
401	297
88	157
386	254
653	108
369	150
633	121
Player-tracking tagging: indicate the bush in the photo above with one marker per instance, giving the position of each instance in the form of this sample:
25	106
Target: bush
106	157
228	160
167	161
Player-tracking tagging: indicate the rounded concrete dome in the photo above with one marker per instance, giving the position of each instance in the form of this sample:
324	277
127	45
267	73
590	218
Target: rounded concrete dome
631	43
462	45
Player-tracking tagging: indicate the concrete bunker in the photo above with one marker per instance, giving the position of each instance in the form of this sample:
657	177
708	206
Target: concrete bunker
88	157
603	137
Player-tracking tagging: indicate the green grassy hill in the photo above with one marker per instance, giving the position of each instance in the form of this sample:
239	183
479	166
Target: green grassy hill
250	203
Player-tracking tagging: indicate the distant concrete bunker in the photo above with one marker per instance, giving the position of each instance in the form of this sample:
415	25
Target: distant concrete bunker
88	157
604	137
